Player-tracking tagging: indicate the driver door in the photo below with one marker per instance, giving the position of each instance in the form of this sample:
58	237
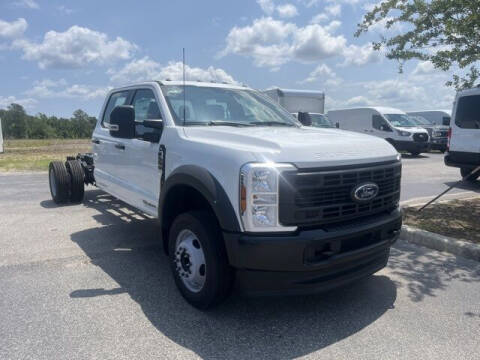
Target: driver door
141	155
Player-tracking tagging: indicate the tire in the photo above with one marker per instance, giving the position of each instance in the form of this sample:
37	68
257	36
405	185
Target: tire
59	181
77	176
466	171
206	284
415	153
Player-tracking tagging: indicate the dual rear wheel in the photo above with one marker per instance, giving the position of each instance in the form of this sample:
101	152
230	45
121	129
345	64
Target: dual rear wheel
66	181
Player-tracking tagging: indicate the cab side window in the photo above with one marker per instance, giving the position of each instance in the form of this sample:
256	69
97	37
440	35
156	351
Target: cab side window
146	108
379	123
116	99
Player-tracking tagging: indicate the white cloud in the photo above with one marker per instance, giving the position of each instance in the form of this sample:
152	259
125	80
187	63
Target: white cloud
359	100
5	101
48	88
319	18
287	11
360	55
65	10
148	69
267	6
424	68
29	4
321	71
333	10
75	48
274	42
14	29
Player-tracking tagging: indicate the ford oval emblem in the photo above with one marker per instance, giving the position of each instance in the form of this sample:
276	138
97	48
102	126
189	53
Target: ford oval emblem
365	192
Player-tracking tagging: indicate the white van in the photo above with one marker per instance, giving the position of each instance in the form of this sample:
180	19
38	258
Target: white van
464	135
437	117
393	125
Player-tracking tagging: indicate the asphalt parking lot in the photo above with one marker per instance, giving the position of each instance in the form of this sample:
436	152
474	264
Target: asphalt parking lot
90	281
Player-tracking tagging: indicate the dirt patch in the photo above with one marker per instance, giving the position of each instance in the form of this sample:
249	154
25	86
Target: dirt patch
456	218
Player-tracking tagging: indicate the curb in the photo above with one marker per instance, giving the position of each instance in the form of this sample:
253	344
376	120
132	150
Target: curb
440	242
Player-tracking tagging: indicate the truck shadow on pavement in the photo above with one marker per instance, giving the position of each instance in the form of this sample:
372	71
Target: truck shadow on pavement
127	248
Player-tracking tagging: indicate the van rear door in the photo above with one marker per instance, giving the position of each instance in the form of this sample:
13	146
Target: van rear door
466	124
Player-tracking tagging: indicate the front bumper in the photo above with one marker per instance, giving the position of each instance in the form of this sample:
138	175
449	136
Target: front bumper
438	143
411	146
312	260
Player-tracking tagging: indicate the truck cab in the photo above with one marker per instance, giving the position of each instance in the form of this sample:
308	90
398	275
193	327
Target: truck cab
245	196
391	124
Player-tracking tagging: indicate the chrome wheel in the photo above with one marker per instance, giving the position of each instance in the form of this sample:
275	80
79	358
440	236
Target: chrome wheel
190	261
53	184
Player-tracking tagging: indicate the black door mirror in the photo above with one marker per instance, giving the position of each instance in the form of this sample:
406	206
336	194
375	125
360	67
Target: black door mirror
305	118
122	122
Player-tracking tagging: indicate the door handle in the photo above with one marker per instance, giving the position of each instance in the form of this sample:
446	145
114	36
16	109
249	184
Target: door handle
96	141
120	146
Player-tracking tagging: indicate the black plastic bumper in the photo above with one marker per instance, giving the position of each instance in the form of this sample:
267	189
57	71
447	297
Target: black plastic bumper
438	144
312	260
411	146
462	159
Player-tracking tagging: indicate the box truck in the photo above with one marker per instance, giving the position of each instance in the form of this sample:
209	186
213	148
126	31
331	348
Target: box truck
307	106
437	117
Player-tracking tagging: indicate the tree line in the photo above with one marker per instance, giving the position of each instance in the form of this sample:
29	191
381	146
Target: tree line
17	124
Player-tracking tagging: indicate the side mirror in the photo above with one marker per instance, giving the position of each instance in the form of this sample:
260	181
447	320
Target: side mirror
153	124
122	122
384	127
304	119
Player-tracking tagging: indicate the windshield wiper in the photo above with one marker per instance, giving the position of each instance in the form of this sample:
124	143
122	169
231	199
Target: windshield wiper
270	123
227	123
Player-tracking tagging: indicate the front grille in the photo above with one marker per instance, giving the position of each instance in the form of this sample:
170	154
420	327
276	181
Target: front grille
324	196
420	137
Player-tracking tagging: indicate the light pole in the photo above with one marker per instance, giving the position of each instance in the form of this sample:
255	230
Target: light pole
1	137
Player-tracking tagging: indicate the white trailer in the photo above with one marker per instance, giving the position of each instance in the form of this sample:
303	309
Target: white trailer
1	137
295	101
437	117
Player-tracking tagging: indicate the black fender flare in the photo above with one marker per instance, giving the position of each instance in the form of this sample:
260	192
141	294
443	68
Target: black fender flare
208	186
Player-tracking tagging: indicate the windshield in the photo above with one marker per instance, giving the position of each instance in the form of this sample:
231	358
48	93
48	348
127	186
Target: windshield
219	106
420	120
401	120
320	120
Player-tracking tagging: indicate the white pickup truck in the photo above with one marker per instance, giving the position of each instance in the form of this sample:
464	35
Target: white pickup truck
244	194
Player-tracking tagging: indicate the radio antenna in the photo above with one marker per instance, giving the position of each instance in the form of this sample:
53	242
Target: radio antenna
184	101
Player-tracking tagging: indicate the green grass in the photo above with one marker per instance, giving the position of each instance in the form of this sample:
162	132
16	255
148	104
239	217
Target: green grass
36	154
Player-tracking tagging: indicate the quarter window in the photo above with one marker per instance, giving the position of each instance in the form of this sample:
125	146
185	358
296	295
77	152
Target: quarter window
116	99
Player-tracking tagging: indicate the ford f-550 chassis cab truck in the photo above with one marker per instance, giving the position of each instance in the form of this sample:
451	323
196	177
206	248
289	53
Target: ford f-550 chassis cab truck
244	194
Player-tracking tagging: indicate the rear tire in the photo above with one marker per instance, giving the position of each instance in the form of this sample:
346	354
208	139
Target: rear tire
466	171
199	260
59	181
77	176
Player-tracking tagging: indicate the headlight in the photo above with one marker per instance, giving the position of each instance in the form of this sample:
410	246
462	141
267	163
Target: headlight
259	196
437	134
403	133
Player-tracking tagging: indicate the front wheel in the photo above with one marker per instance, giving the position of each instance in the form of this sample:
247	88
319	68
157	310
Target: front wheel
466	171
198	259
415	153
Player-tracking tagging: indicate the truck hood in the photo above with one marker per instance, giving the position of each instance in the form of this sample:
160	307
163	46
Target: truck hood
305	146
414	129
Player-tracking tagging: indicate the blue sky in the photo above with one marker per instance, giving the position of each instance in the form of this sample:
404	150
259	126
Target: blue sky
58	56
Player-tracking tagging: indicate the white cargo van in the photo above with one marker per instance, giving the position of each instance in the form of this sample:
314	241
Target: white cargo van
391	124
464	134
437	117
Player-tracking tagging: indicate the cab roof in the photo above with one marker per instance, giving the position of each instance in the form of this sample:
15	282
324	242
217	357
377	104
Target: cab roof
380	109
188	83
